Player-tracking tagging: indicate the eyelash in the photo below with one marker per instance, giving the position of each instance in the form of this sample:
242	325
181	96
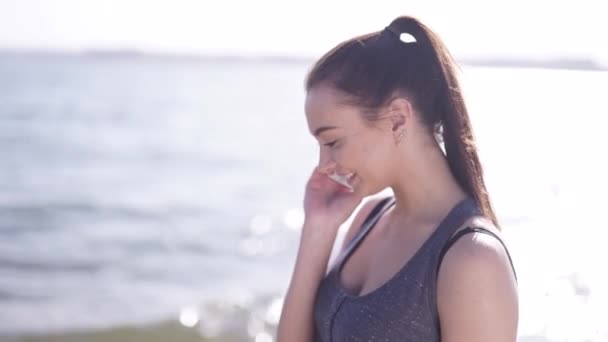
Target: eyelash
331	144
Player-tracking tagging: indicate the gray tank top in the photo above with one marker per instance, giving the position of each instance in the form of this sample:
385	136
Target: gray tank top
402	309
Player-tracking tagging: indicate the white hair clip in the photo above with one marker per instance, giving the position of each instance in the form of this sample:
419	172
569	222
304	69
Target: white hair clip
403	36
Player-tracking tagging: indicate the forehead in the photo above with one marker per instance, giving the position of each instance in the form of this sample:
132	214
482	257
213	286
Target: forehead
325	106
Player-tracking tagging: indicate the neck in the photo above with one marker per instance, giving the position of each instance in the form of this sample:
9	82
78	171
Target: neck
427	190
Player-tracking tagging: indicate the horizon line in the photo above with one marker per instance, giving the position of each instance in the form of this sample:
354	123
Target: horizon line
556	62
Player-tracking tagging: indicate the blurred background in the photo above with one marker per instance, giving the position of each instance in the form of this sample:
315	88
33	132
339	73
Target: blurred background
153	157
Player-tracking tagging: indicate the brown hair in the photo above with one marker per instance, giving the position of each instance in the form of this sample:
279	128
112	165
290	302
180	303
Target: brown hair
372	68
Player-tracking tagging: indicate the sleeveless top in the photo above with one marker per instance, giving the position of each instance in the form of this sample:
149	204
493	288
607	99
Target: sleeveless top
405	307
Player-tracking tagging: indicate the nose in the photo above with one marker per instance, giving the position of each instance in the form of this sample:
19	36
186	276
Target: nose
326	164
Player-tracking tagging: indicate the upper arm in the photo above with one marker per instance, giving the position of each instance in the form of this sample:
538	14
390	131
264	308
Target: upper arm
477	295
360	217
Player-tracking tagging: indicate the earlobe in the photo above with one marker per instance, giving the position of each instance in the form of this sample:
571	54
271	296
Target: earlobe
398	121
401	135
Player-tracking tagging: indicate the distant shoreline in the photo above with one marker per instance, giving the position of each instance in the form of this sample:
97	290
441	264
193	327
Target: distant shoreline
546	63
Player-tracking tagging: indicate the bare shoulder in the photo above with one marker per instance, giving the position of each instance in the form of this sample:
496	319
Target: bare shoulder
364	211
476	247
476	283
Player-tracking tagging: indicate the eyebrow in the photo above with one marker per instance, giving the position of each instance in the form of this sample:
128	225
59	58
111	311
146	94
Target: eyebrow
323	129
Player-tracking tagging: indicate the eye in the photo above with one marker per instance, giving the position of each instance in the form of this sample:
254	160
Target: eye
331	144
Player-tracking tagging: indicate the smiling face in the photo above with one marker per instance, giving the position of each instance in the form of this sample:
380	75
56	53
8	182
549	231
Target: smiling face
350	145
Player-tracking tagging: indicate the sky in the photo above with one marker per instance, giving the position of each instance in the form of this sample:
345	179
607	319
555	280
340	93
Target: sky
470	28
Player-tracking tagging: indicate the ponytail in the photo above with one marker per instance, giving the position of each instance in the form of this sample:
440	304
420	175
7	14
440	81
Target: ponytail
452	118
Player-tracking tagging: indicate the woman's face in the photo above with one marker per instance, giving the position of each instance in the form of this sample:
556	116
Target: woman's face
349	144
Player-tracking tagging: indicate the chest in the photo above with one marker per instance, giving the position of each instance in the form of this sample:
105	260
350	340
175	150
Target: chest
377	260
400	310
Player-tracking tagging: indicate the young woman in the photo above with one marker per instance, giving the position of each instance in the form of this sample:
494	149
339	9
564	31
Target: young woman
427	263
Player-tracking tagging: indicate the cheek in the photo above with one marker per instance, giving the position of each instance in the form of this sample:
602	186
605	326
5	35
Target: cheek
374	152
361	158
346	157
377	158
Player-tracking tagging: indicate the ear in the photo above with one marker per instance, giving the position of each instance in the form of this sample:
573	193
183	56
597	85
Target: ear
400	110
